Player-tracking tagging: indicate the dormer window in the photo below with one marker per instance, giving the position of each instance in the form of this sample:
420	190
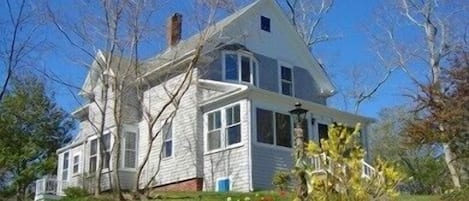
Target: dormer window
239	67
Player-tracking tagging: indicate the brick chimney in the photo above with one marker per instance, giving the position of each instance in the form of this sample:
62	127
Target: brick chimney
174	29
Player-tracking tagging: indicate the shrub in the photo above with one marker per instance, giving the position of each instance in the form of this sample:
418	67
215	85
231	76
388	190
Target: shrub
281	180
75	192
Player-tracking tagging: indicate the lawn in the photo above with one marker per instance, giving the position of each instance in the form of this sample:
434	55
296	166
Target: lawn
255	196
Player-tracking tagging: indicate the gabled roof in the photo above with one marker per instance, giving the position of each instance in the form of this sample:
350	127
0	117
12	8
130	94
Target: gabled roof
216	35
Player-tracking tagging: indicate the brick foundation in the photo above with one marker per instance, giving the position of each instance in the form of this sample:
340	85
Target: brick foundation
195	184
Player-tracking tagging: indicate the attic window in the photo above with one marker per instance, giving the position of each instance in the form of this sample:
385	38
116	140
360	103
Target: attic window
265	23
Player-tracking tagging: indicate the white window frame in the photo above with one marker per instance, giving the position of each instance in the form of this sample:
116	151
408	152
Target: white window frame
106	150
167	140
280	80
65	170
76	164
124	150
253	66
95	155
223	128
274	124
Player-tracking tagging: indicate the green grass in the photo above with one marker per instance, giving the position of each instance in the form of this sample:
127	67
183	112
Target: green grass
255	196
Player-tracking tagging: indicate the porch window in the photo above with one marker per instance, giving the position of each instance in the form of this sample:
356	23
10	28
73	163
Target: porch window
273	128
224	127
167	140
65	166
240	67
93	160
76	164
130	149
214	130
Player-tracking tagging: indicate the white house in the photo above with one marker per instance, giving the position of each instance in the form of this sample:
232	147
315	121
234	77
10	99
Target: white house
233	129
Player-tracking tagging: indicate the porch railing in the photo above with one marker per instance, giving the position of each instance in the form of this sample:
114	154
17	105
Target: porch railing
49	185
322	163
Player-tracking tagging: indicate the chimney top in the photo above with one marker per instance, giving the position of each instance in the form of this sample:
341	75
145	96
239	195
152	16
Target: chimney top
174	29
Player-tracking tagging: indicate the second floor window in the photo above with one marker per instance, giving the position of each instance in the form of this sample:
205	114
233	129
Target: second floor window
286	81
239	67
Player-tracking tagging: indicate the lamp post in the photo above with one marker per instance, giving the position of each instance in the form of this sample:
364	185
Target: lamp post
299	170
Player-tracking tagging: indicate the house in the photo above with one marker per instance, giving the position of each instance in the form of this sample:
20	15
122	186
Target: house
232	129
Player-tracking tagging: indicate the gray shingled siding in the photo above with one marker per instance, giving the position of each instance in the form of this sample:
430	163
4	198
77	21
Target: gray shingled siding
265	164
268	73
305	86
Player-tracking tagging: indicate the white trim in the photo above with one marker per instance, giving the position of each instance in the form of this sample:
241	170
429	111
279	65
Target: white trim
249	141
164	141
230	181
223	127
239	54
79	164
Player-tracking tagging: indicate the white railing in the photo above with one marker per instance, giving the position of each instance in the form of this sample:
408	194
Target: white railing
322	163
49	185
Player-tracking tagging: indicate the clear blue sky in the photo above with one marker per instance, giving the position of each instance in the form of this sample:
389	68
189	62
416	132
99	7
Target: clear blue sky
346	20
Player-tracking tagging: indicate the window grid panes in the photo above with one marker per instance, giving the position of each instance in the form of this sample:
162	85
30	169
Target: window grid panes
240	67
273	128
233	125
214	133
286	80
130	149
107	149
65	166
224	127
93	155
76	164
167	140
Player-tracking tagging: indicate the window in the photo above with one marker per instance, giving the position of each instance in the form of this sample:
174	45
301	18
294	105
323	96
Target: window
240	67
93	155
265	23
76	164
233	125
322	131
214	130
107	149
283	130
224	127
286	81
167	140
274	128
130	149
65	166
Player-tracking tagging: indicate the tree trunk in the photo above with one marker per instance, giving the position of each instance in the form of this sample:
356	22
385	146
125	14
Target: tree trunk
451	163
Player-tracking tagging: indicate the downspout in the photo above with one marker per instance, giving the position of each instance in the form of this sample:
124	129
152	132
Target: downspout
249	105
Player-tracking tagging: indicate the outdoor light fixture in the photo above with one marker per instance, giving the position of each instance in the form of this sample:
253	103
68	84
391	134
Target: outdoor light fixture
299	112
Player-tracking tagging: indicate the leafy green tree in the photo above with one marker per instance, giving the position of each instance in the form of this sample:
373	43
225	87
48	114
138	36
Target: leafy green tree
32	128
423	165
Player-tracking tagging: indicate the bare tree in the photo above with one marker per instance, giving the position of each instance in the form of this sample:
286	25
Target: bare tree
20	40
432	31
307	17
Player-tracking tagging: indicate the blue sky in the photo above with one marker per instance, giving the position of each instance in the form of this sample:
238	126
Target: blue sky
347	20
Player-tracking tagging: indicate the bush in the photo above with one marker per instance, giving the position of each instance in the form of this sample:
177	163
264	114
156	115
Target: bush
281	180
75	192
457	195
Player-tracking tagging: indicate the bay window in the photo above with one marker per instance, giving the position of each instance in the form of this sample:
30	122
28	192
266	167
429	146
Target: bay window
65	166
76	164
107	149
93	155
239	67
